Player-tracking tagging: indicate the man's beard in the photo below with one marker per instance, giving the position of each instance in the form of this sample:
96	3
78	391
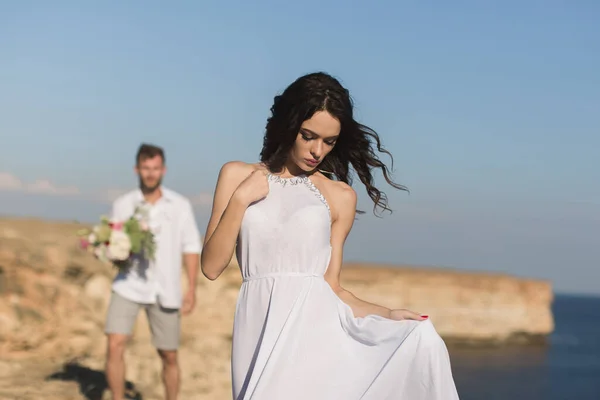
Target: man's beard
149	189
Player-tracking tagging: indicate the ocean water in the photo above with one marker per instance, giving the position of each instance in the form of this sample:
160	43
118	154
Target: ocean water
567	369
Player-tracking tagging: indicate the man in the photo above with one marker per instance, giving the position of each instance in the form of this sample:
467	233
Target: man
153	286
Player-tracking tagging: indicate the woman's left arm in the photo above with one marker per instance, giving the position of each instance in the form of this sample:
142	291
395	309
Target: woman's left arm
344	208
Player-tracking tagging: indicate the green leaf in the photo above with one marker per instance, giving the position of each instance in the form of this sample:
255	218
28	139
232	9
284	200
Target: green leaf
103	234
136	243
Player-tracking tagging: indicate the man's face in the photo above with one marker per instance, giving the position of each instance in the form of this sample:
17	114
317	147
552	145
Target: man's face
150	172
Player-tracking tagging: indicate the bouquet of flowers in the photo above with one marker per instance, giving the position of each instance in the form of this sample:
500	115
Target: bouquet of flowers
118	242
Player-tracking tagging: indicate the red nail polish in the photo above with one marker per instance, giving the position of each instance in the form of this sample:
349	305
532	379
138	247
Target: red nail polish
425	316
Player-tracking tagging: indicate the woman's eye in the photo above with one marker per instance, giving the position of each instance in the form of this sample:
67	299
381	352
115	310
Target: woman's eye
330	143
306	137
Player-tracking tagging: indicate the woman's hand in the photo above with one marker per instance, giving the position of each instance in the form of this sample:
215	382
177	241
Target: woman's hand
254	188
401	314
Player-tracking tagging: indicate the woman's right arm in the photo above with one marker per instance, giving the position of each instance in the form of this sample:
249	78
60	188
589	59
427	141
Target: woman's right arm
236	188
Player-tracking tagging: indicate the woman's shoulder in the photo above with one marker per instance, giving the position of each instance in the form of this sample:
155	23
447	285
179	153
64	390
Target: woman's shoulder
339	194
237	170
338	187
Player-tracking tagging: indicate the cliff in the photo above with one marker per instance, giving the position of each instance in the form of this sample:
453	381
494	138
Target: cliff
53	299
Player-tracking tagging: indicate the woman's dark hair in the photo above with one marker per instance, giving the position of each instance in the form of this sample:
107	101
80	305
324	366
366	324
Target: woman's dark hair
354	147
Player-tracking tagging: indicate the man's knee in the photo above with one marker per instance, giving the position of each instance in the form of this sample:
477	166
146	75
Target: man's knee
116	345
169	357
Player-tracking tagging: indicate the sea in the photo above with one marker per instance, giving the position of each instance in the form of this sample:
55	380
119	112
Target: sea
567	368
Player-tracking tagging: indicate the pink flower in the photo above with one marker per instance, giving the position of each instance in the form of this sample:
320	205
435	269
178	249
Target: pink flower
116	226
83	243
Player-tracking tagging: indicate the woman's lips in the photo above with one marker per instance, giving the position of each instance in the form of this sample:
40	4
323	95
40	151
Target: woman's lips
311	162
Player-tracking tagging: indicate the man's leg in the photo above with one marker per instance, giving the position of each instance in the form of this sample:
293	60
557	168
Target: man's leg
165	326
119	324
170	373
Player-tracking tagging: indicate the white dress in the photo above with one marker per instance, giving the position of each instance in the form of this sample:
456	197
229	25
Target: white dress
294	339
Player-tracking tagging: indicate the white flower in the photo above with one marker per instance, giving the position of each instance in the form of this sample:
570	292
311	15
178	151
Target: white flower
119	246
92	238
100	253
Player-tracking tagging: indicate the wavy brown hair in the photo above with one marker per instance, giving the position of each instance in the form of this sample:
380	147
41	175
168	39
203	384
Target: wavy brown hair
356	143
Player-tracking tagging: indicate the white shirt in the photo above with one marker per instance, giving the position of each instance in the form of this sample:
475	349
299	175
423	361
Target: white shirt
171	219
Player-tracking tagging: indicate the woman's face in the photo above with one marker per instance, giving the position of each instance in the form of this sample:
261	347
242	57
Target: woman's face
315	140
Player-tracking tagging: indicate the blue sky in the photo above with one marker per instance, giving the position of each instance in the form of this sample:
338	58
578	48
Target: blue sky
490	110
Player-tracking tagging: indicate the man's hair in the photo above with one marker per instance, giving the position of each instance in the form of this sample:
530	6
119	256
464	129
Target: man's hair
146	151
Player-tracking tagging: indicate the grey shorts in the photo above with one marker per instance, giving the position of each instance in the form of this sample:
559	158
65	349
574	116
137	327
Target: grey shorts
165	323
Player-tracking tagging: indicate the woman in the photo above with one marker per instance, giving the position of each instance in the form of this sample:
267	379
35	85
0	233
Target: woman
298	334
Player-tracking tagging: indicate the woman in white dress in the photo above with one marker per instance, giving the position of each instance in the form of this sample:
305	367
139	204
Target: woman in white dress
298	334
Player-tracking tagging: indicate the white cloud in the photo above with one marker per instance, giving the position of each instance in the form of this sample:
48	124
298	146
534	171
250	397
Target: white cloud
44	186
9	182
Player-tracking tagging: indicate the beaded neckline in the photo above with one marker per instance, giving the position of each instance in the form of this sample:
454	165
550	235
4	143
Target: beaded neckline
295	180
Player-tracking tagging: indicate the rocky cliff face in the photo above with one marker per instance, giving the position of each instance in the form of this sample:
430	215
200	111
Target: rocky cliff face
465	307
53	299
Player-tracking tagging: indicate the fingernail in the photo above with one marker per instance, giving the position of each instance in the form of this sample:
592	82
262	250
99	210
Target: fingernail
425	316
